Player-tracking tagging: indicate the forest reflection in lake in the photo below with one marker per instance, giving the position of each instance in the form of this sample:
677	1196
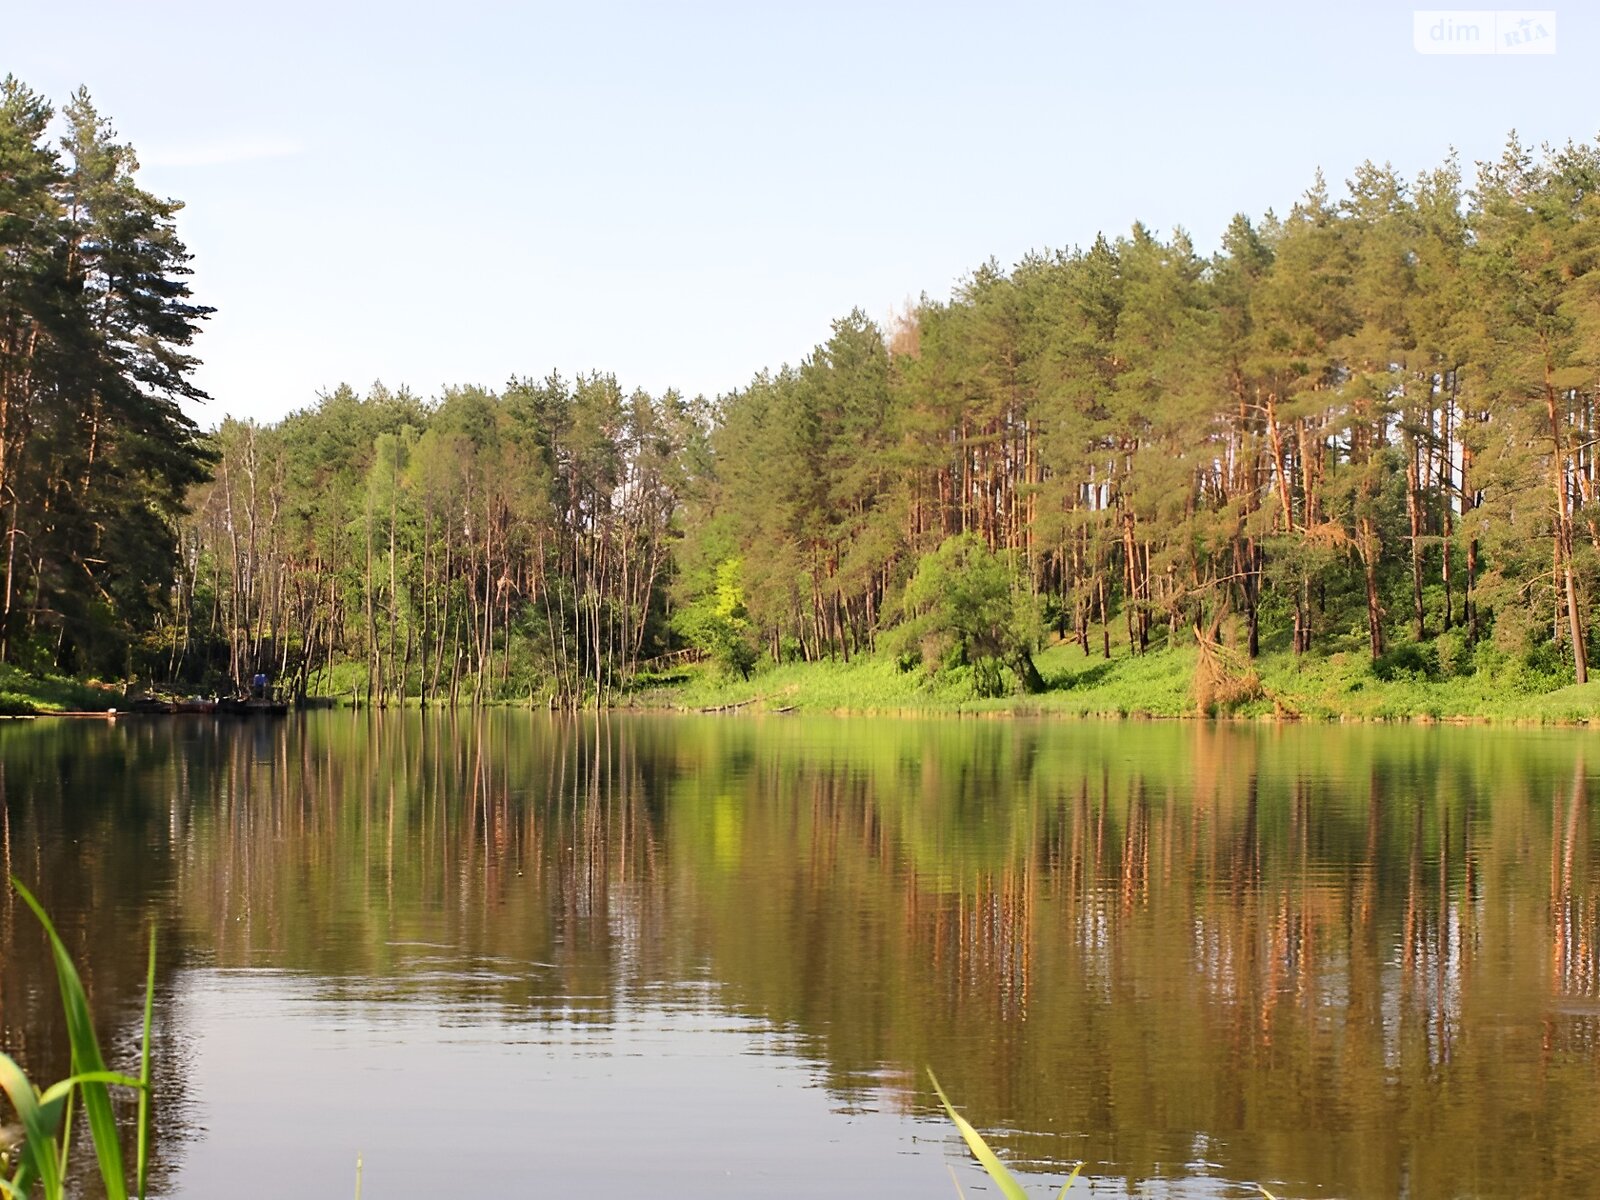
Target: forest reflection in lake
503	952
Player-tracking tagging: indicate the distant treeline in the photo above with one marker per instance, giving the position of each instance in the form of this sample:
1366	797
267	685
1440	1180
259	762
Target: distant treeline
510	544
1367	424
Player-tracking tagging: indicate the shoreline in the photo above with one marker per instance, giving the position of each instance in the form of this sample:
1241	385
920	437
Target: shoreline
754	709
1329	689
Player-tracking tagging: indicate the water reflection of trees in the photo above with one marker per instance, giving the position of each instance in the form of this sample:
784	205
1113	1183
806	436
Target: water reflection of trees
489	862
1361	961
1323	953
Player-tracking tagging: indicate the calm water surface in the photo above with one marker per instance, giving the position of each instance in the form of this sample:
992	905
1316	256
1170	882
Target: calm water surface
507	955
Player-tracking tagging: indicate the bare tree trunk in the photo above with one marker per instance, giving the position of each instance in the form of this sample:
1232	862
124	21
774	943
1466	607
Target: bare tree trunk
1569	583
1419	627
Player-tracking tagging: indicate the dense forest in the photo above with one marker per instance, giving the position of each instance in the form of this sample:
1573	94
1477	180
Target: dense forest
516	543
96	456
1368	423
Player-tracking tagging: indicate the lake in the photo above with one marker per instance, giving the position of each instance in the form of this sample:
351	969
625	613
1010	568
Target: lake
506	954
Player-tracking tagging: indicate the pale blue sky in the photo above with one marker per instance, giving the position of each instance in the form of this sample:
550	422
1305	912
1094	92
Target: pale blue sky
685	193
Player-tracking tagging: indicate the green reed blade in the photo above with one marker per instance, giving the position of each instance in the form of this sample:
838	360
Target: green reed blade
50	1113
1068	1183
86	1057
142	1156
66	1131
1007	1183
61	1089
39	1145
26	1176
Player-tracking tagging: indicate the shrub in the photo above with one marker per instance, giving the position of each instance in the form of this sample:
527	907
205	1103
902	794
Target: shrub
1453	653
966	606
1408	660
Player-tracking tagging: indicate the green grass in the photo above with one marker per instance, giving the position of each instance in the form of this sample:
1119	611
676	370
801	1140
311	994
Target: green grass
1324	685
1344	687
22	693
872	684
1316	686
1147	685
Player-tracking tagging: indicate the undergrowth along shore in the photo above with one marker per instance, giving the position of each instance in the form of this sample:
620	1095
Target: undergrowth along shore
1410	684
1161	683
22	693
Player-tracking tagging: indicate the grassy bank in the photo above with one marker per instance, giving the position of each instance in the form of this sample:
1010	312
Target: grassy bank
1345	685
1340	686
22	693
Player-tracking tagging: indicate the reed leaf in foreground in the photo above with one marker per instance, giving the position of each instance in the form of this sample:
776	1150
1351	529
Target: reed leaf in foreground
142	1152
39	1157
1004	1179
47	1116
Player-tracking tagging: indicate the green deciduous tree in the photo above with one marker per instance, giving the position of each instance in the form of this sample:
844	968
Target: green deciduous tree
967	606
